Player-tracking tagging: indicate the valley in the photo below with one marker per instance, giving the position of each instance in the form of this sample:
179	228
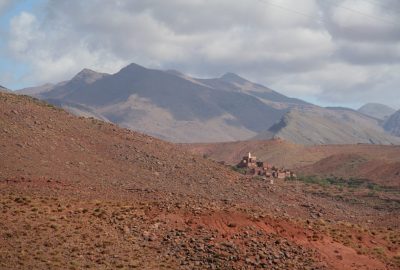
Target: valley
378	163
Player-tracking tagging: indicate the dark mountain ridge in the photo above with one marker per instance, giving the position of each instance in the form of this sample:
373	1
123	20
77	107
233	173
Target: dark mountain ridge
392	124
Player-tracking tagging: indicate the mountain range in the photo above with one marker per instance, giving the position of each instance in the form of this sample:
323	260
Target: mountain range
178	108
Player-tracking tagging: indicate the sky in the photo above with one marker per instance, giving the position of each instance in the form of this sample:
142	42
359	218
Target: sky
329	52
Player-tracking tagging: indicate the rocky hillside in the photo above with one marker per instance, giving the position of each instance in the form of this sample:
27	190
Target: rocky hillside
82	193
392	124
314	125
87	151
376	110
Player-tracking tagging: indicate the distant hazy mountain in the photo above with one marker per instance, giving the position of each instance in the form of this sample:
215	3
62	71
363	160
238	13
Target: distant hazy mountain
168	104
392	125
379	111
315	125
175	107
36	90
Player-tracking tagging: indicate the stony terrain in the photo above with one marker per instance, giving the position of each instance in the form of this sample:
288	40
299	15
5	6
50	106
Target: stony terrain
80	193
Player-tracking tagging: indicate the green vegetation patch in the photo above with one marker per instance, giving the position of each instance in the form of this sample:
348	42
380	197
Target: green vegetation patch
239	170
352	183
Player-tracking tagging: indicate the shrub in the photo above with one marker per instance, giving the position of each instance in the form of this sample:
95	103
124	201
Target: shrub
239	170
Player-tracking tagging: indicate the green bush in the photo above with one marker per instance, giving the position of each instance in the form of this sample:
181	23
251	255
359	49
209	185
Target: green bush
352	183
239	170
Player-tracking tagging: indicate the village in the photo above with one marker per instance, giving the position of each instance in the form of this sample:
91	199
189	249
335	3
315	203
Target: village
263	169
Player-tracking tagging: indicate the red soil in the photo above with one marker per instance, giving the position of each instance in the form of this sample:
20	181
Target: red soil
79	193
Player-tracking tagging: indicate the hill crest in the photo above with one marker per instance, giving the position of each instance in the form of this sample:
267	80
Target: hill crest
377	110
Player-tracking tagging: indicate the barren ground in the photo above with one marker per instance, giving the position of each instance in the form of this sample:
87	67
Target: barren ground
79	193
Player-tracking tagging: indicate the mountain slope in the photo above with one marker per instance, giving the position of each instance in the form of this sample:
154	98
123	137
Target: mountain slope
37	90
34	132
357	166
233	82
80	193
377	163
330	126
165	104
392	124
379	111
175	107
78	83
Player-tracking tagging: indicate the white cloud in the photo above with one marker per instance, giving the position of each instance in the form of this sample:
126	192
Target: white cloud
343	84
302	47
23	31
4	4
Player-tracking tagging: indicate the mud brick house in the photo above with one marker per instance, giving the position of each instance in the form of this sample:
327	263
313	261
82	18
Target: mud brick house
280	174
248	162
260	168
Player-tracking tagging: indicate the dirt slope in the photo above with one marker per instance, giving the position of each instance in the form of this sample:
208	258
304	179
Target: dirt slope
378	163
386	173
80	193
93	152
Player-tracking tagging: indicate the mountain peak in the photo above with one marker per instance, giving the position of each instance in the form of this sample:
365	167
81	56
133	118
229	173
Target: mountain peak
377	110
85	72
232	77
133	67
374	104
88	76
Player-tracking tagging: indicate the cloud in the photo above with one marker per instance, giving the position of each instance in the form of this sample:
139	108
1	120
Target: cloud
4	4
305	47
338	83
364	31
23	30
